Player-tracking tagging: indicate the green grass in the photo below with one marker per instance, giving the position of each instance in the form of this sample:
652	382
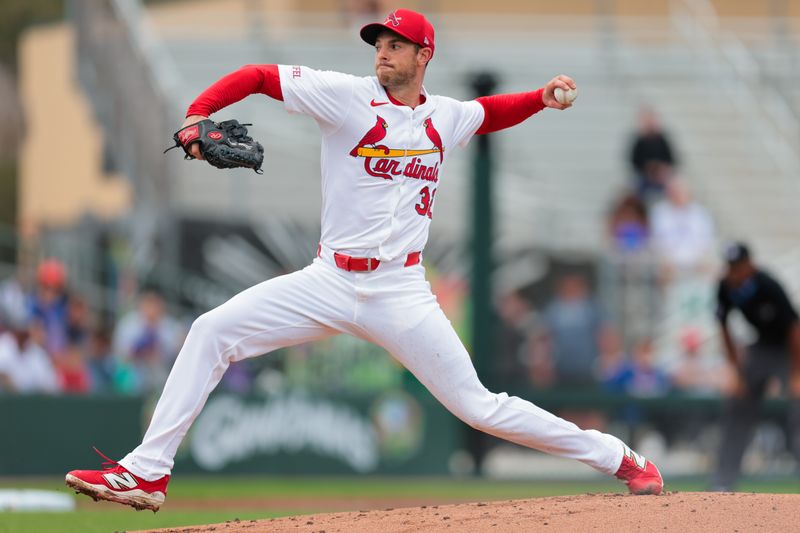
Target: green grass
310	494
417	487
110	521
231	487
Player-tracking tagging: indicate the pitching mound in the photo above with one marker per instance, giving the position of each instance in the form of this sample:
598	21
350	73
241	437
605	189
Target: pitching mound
684	512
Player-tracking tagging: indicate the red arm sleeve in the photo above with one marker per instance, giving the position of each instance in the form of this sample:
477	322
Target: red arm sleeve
250	79
502	111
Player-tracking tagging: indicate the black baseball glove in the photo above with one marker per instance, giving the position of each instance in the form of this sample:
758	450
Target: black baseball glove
223	144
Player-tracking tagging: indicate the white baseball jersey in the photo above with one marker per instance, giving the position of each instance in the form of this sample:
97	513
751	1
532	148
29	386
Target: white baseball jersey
381	162
381	166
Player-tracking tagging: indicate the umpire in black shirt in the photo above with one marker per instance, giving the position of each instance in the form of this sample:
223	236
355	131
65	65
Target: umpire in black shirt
775	354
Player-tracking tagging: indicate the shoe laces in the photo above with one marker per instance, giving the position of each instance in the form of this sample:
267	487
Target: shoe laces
108	464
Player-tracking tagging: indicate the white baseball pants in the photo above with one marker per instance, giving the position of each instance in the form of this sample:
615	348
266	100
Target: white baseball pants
393	307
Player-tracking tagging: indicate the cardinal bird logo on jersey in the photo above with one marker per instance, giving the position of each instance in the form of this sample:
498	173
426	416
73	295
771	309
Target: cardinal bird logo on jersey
384	162
434	136
373	136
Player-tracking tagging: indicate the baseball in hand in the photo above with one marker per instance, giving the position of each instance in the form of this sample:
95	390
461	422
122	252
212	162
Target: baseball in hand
565	97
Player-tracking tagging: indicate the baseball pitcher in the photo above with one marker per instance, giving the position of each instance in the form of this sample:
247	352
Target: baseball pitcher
385	147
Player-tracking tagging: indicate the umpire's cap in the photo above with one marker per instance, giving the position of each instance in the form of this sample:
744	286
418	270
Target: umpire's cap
410	24
736	252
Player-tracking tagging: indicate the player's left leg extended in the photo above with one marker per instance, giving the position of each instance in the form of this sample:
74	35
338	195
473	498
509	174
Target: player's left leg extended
307	305
412	327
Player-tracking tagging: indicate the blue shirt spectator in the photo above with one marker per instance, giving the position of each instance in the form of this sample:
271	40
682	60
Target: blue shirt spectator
49	305
638	376
574	325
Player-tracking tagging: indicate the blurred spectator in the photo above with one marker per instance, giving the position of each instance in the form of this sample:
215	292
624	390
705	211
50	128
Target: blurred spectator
513	336
573	326
612	353
24	364
682	235
639	376
651	156
774	356
6	385
682	232
13	302
101	365
49	304
628	225
696	373
238	378
78	321
73	372
629	272
148	340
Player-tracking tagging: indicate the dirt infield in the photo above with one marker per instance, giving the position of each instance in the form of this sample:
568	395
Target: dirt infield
685	512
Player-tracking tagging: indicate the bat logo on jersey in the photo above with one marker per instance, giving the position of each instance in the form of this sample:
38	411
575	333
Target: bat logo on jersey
373	136
384	162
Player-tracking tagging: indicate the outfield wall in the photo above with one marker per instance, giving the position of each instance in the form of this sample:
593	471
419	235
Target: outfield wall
397	432
394	432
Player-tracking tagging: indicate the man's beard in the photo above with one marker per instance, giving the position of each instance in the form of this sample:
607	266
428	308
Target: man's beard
394	77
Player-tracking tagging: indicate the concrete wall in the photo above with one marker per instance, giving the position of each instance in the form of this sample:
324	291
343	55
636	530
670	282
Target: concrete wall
60	170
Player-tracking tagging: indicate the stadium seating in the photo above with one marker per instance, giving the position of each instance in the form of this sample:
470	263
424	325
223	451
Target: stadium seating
556	174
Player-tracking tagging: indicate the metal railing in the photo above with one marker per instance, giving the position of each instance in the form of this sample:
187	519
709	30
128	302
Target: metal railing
729	60
116	62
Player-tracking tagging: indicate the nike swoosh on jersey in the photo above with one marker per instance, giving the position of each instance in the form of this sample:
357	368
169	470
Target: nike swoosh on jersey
373	103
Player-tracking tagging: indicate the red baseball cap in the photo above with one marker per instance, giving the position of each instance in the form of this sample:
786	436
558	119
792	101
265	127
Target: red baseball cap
51	273
409	24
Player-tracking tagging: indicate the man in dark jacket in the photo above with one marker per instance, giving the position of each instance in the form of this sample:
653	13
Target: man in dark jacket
775	354
651	156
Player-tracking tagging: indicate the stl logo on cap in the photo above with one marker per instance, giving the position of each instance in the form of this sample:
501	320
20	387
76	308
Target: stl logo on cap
406	23
393	18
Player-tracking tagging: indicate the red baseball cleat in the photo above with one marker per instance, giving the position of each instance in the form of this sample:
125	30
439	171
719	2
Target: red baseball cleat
641	476
115	483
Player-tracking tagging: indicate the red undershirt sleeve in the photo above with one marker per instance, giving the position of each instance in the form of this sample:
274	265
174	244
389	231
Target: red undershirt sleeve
502	111
250	79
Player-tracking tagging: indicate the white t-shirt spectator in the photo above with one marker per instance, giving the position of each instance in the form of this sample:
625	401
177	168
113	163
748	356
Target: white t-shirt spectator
29	370
682	235
134	336
13	302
